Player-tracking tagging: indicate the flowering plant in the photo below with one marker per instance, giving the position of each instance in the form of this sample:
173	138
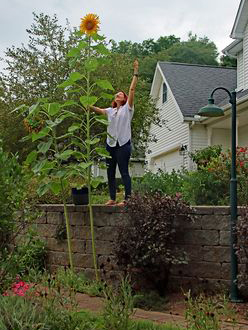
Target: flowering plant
61	156
18	288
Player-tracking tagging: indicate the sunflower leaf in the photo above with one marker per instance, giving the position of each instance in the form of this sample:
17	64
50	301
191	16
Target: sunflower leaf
105	84
91	64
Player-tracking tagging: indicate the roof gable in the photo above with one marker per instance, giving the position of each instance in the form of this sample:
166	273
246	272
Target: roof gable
191	84
240	20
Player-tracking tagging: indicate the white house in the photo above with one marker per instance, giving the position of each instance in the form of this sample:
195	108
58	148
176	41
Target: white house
182	89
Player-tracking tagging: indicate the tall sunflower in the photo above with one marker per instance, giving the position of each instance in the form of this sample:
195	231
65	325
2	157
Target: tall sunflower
89	24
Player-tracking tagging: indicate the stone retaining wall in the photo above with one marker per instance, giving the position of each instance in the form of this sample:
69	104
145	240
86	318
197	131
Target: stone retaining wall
206	242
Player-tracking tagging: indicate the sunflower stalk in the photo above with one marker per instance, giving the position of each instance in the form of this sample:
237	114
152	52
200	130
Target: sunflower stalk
89	173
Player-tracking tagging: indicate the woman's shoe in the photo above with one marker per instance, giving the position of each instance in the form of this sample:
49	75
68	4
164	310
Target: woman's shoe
111	202
123	203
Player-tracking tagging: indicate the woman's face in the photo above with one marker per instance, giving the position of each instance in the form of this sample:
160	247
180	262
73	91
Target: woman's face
119	96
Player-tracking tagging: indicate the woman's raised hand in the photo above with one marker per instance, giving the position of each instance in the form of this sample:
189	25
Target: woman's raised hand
135	67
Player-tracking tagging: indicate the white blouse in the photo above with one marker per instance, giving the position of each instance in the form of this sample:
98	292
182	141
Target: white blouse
119	124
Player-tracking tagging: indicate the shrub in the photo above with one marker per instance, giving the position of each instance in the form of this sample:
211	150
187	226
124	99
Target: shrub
164	182
203	187
16	213
203	156
145	245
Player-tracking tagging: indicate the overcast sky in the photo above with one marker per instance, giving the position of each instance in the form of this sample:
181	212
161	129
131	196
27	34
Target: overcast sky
134	20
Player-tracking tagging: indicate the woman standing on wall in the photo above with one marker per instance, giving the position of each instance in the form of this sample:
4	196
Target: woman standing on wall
119	137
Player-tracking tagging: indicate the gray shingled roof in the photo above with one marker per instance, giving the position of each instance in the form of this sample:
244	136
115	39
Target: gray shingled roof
192	84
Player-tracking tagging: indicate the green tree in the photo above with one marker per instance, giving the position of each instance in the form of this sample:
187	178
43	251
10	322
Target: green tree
228	61
33	71
195	50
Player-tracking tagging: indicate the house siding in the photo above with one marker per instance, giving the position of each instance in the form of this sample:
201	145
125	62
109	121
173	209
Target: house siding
243	136
240	71
199	137
172	133
245	50
221	136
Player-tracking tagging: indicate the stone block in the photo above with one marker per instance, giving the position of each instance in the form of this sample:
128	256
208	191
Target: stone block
54	218
54	207
58	258
83	260
46	230
78	245
101	218
215	254
201	210
102	247
55	245
199	237
218	222
197	285
106	234
77	218
107	263
198	269
226	271
192	253
41	219
179	222
222	210
225	238
81	232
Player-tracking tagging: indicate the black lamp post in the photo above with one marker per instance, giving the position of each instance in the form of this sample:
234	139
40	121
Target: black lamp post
211	110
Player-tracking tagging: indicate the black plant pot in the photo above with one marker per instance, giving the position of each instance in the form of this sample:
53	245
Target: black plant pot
80	196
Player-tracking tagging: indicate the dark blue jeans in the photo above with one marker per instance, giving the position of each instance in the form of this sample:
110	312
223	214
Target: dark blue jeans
119	156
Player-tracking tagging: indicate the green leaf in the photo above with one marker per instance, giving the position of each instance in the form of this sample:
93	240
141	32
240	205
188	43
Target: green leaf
48	166
91	64
31	157
102	121
88	100
102	152
26	138
39	165
102	49
73	90
61	173
43	188
97	37
68	103
33	109
74	76
96	181
55	187
43	147
107	96
78	154
21	109
105	84
53	108
44	132
82	44
84	166
73	52
65	84
74	127
94	141
65	154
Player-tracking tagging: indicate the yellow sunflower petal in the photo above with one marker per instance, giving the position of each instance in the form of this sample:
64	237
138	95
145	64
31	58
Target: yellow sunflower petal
89	24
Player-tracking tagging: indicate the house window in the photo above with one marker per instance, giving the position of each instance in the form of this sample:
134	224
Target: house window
164	93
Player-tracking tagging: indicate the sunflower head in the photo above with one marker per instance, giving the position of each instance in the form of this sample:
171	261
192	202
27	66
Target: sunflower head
89	24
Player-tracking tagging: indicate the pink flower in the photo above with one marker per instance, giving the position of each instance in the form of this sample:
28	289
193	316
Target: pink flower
5	293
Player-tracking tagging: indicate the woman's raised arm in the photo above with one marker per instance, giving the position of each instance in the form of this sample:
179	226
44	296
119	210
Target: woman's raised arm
133	83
